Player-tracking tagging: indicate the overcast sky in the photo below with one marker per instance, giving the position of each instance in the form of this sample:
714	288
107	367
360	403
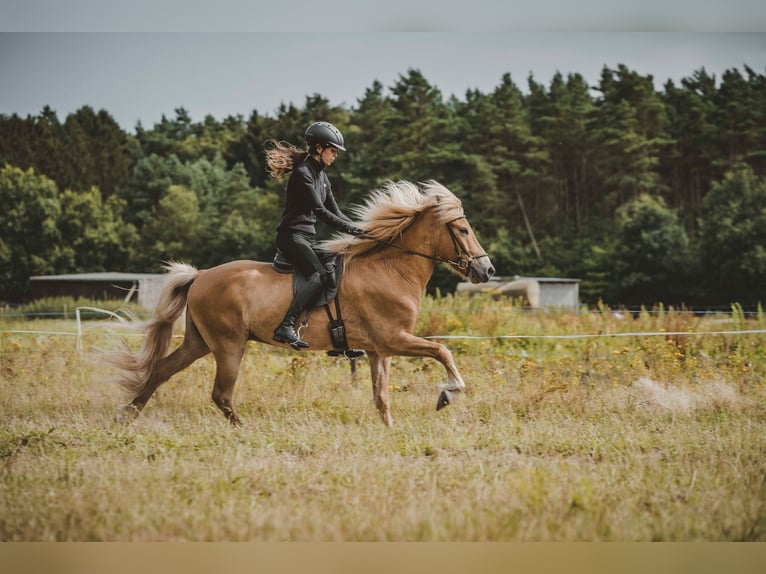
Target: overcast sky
49	56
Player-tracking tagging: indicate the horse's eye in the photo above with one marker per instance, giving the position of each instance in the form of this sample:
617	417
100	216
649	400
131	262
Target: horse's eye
463	230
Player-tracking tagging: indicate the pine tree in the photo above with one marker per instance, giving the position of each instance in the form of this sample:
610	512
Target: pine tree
416	129
739	117
367	142
628	136
16	141
688	165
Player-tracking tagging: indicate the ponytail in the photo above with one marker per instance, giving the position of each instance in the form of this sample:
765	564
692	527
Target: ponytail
281	157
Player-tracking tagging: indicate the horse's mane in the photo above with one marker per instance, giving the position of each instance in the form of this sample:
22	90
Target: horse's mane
392	209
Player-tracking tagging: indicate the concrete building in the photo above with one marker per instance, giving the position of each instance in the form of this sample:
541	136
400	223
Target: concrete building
536	291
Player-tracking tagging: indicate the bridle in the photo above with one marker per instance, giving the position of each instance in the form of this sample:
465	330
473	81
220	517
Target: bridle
462	260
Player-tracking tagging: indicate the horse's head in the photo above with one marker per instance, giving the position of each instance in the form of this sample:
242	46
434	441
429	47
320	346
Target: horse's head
452	238
468	258
426	220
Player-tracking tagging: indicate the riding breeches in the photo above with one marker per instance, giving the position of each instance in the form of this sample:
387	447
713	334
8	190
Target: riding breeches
300	250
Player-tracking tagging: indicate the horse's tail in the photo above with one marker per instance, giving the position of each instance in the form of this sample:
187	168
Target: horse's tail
137	368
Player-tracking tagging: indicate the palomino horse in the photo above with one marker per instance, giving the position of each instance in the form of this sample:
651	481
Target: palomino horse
409	229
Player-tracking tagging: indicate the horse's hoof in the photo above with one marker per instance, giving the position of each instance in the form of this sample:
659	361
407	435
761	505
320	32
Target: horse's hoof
126	415
445	398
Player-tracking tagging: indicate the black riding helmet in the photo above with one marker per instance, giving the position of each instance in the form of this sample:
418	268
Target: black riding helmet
324	134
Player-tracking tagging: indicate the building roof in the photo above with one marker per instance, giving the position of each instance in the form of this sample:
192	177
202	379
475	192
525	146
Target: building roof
538	279
102	276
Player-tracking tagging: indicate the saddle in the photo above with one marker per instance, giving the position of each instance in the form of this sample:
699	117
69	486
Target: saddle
333	264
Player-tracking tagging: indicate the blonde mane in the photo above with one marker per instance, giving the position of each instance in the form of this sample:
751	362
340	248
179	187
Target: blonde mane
392	209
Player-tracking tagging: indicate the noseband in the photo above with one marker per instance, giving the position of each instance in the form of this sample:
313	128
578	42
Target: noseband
462	260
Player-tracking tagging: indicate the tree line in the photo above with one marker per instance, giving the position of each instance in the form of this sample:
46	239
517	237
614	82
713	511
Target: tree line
645	195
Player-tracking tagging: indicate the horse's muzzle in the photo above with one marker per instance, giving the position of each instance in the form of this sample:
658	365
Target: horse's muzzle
481	270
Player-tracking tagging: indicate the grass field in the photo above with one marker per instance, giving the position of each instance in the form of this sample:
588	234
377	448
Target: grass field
633	438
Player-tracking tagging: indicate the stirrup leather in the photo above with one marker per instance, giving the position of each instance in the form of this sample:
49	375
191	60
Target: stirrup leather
338	335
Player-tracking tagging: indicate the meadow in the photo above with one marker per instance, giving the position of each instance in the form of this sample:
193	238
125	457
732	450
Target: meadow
614	436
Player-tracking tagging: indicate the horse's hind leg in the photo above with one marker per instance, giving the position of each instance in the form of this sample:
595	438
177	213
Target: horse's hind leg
192	348
379	367
227	360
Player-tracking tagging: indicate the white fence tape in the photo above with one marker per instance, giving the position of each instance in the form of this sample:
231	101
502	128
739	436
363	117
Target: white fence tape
115	315
18	332
80	331
596	335
79	334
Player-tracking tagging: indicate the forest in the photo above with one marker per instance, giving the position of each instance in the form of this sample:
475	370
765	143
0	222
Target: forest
648	196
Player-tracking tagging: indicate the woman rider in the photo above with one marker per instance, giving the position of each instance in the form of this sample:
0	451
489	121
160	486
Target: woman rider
309	195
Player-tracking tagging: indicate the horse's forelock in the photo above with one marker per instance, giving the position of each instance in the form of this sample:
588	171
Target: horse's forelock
448	205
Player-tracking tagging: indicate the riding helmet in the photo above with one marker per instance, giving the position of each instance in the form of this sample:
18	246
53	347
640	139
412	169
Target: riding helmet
324	134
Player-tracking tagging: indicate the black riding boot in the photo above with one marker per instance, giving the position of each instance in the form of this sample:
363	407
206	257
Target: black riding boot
285	332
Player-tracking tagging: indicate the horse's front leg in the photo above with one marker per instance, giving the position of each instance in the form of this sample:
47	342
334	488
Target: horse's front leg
412	346
379	368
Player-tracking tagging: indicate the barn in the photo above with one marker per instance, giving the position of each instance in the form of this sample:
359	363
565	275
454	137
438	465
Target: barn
141	288
536	291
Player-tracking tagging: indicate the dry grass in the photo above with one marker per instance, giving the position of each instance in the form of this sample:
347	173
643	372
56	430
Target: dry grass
620	439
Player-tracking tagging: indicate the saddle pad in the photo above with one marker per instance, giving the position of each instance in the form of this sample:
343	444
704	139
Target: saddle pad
333	264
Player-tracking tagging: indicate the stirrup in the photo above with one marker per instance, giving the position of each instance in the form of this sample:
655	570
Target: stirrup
348	353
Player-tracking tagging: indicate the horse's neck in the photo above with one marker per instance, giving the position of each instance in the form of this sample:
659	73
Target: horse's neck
399	271
408	273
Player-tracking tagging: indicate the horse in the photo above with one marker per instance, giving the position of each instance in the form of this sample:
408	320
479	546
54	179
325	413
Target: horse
409	229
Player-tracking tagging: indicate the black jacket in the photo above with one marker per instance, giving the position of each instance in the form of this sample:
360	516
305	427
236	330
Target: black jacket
309	195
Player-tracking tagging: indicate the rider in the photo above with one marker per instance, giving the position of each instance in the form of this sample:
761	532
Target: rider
309	195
